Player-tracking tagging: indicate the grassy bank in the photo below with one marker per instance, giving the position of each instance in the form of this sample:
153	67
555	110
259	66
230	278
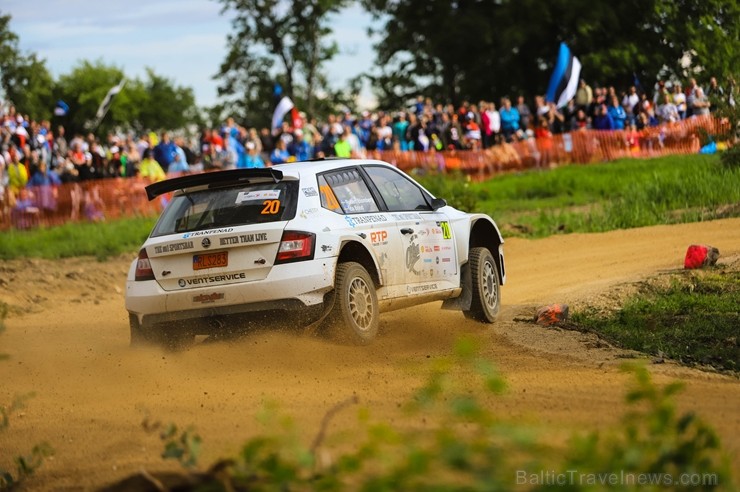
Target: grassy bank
596	198
101	240
691	317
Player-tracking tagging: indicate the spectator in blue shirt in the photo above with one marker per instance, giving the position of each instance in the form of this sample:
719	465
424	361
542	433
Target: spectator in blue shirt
164	152
602	120
509	119
617	114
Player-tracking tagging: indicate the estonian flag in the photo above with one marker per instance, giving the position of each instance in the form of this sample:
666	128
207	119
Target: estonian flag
107	100
564	80
281	110
61	109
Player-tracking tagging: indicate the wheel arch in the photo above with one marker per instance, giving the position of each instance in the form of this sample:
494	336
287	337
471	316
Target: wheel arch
484	233
357	252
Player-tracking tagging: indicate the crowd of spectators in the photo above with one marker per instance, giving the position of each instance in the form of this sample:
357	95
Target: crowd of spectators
34	156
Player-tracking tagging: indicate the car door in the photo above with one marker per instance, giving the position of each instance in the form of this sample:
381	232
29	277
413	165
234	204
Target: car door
427	257
344	191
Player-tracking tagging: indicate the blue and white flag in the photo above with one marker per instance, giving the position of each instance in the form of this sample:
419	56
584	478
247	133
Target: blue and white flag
61	109
281	110
564	79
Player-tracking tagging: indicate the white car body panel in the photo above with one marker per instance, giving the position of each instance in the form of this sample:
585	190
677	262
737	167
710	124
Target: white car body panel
417	255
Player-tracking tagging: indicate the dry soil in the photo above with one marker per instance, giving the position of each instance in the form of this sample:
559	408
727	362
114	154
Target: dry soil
67	337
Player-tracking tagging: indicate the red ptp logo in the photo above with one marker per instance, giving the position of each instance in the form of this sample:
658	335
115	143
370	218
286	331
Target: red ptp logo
378	237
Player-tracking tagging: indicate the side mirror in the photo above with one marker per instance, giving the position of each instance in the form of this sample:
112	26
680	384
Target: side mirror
438	203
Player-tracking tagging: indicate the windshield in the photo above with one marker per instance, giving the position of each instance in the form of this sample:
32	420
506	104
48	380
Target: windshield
228	207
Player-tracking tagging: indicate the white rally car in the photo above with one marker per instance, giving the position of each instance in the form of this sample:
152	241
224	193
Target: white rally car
332	242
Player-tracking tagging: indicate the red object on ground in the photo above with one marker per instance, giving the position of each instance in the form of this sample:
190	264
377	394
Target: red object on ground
698	256
551	315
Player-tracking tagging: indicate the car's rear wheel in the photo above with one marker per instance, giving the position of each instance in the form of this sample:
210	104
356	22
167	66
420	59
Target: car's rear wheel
355	315
486	287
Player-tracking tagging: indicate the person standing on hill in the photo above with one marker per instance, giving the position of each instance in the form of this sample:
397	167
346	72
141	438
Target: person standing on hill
618	114
164	152
509	119
150	169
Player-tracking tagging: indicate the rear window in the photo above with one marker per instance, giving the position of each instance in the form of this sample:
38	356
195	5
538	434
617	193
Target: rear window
228	207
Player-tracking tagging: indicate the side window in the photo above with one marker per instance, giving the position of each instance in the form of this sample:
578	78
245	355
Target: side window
345	191
398	191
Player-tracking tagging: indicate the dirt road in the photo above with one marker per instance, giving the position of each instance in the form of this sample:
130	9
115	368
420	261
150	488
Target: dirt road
67	336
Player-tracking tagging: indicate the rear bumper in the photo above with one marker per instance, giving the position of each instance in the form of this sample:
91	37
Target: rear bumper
297	288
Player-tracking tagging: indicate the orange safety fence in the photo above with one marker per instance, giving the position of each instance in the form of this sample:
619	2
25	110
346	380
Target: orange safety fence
578	147
120	197
89	201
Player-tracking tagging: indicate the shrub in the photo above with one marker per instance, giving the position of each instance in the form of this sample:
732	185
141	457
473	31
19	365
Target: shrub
464	445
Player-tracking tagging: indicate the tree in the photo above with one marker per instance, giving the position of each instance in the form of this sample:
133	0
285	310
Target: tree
24	78
276	41
470	49
153	104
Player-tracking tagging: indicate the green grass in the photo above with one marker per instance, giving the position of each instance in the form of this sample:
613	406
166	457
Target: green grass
694	320
601	197
101	240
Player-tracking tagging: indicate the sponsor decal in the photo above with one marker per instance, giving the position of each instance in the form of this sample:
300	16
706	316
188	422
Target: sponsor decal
427	260
257	237
205	233
213	279
350	221
446	260
208	298
206	243
415	289
436	248
256	196
325	248
310	192
358	205
406	216
379	237
309	211
438	260
413	254
168	248
367	219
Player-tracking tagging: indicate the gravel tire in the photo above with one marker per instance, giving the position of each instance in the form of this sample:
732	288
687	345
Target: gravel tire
486	287
355	315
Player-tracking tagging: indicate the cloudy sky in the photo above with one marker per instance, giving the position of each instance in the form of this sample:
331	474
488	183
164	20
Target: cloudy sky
184	40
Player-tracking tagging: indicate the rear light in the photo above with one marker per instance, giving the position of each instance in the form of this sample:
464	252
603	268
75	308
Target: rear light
143	267
295	246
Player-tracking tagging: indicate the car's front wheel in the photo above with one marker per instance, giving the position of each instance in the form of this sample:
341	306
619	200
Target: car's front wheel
355	315
486	287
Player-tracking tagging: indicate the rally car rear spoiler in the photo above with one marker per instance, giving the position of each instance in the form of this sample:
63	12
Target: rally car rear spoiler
218	178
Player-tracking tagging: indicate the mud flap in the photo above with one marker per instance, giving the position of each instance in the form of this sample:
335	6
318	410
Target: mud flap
465	299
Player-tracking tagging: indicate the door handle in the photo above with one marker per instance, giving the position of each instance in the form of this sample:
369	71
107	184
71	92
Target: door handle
407	230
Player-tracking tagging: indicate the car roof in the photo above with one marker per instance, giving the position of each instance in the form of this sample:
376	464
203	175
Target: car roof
295	170
321	165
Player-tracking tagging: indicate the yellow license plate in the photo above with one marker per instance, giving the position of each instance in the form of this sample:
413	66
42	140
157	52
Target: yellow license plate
211	260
